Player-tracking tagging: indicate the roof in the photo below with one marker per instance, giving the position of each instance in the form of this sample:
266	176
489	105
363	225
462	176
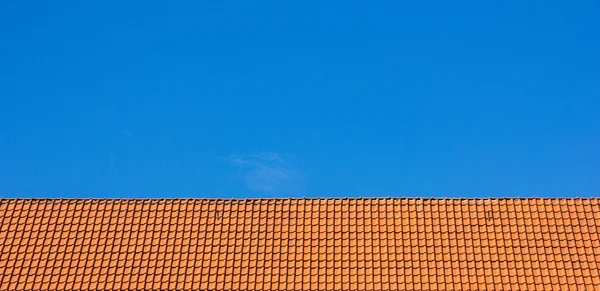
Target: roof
299	244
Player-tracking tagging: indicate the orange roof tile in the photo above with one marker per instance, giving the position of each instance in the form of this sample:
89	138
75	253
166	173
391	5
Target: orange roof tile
300	244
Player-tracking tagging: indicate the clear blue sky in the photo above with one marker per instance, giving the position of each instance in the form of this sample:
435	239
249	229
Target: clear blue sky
280	98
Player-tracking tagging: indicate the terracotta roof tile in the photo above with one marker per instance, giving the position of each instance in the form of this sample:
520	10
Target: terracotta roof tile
299	244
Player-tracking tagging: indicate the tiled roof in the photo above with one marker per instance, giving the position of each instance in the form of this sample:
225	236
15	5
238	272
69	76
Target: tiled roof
300	244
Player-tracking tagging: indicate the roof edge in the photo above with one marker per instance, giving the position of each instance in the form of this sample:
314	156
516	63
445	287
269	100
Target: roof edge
290	198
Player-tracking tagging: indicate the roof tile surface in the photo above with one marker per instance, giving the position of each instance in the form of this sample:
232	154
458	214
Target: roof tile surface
299	244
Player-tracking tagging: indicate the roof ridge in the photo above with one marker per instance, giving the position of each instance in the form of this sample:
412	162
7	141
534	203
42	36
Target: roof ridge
289	198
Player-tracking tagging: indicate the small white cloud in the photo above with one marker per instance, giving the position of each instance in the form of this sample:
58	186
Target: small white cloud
269	172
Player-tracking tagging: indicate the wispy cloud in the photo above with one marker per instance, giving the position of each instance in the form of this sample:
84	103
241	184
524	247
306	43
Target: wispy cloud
269	172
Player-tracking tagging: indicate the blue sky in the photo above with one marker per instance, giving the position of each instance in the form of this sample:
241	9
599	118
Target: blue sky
282	98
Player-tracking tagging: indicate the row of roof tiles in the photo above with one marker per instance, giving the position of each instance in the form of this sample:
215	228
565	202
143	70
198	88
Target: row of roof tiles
374	244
